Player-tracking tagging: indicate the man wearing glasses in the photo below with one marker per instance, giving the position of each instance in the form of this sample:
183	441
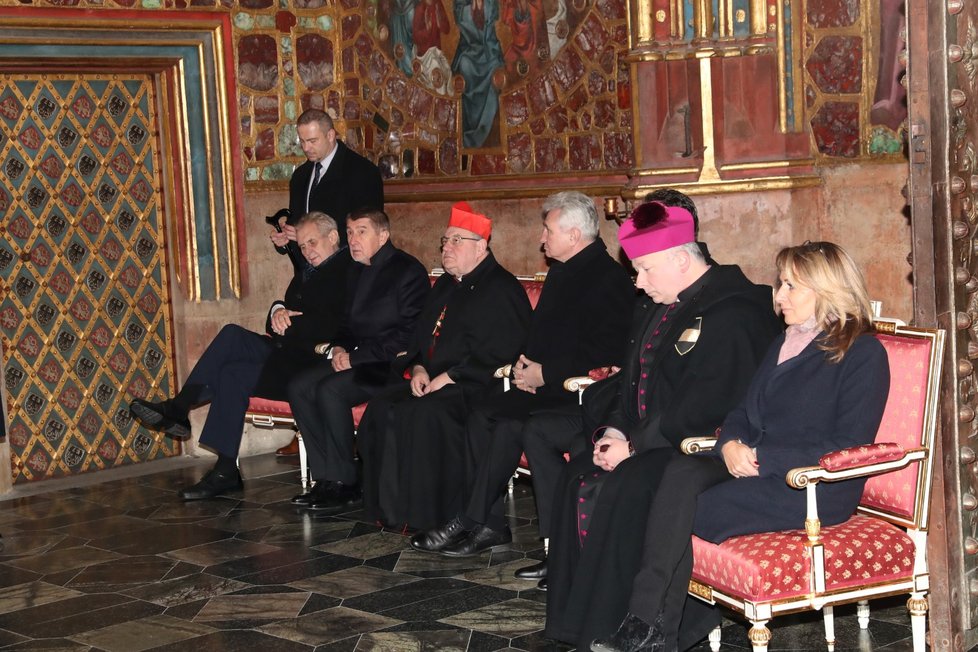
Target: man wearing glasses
411	438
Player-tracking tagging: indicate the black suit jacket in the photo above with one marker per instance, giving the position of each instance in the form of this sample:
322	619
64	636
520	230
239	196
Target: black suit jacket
350	182
384	301
484	325
321	298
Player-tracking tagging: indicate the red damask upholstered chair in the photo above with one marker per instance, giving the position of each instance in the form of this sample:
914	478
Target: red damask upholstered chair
880	551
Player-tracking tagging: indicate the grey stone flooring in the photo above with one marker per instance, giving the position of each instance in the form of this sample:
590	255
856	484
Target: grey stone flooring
120	564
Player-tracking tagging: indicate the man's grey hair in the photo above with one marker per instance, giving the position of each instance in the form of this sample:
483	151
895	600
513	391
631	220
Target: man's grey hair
576	211
694	251
323	222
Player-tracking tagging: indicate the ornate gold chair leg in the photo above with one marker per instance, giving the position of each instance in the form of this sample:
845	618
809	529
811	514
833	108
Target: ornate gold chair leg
759	635
917	606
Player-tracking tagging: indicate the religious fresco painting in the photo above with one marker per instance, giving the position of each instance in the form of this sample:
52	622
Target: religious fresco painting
85	323
480	48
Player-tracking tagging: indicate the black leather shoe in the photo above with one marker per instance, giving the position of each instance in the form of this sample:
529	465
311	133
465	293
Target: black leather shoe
214	483
542	584
478	541
436	539
534	572
309	497
336	498
160	416
633	635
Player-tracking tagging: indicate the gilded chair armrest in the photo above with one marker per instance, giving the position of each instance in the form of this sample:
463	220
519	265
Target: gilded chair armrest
503	372
887	461
577	383
692	445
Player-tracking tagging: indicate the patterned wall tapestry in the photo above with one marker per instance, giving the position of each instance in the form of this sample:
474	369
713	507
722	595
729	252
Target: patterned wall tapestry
83	319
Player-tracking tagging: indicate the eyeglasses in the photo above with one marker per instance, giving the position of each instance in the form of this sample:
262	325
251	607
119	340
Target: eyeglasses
813	247
456	240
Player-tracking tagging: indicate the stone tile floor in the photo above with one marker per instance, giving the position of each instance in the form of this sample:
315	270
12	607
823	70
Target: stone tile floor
115	562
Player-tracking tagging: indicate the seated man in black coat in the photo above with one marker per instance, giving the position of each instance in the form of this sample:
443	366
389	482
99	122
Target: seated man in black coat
697	335
579	324
239	364
412	436
388	289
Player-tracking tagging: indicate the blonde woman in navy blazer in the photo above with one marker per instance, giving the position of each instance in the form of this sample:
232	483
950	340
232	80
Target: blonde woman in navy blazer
821	387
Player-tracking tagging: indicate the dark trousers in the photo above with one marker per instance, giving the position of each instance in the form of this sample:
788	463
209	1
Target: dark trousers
226	376
498	431
667	557
413	452
321	401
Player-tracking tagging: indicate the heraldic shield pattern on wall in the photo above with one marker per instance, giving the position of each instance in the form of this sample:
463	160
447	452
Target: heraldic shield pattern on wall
85	321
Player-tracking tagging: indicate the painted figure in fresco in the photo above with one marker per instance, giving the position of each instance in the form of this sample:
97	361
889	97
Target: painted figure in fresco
525	20
431	67
430	24
557	27
398	16
477	58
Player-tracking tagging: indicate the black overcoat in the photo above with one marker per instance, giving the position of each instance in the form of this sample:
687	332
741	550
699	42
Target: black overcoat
321	298
793	414
385	300
581	318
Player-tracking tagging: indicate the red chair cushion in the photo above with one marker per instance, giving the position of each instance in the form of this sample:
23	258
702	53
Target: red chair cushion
358	411
269	407
776	565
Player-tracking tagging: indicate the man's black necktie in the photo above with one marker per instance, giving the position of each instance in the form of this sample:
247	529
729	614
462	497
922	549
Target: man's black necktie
315	177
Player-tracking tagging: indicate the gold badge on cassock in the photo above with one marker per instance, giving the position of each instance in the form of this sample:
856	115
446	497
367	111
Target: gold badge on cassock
688	339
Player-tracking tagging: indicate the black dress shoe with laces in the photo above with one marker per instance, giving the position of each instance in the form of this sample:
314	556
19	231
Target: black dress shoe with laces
214	483
435	539
534	572
161	416
480	540
335	498
633	635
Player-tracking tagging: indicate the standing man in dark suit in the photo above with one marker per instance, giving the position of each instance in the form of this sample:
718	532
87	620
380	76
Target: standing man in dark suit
412	437
388	288
239	364
579	324
334	179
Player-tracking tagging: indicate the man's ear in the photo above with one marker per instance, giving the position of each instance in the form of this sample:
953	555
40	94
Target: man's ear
334	238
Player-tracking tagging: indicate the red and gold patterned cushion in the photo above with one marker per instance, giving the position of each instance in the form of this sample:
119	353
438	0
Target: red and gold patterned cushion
902	424
776	565
851	458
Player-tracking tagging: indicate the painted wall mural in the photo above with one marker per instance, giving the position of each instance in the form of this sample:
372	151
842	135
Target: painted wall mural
450	89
